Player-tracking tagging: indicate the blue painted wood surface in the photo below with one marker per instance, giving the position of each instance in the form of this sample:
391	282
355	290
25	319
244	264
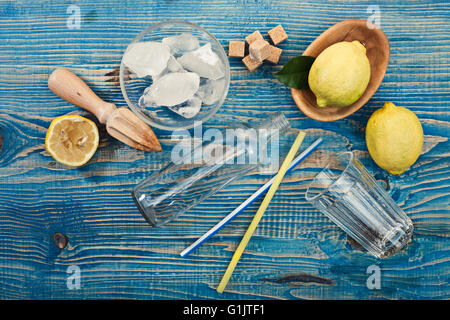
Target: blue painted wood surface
119	254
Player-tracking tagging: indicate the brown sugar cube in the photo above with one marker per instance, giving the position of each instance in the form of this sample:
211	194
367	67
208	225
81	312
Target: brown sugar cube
277	34
236	49
259	50
253	37
275	54
250	63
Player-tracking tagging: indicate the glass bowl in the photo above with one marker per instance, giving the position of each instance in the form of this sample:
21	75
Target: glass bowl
132	87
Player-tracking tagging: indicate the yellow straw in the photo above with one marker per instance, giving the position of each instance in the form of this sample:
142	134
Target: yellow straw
248	234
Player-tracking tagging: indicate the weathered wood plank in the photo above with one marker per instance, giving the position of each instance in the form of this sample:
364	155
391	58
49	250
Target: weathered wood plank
296	252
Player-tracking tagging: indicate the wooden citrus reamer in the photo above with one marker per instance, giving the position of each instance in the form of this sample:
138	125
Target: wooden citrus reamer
120	123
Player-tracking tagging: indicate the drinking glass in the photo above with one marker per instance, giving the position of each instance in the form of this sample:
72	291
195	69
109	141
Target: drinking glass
348	194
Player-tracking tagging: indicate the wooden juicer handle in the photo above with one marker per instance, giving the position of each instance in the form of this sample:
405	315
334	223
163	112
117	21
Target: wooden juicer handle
68	86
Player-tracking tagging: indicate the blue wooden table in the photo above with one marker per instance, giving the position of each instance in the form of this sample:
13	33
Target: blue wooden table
296	253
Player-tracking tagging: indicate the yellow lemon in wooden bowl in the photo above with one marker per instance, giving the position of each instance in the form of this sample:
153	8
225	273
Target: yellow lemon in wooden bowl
72	140
340	74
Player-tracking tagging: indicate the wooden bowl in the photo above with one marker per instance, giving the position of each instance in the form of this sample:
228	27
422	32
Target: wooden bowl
377	47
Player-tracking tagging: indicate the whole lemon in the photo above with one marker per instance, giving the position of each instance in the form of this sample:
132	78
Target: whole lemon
340	74
394	137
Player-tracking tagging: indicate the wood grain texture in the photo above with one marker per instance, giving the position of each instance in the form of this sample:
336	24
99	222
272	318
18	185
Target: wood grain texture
296	252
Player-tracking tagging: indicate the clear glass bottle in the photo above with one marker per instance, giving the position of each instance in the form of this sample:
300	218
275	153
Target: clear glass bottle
179	186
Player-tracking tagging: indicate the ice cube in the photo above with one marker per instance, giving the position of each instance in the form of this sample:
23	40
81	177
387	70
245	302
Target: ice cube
145	102
181	43
159	76
173	65
204	62
188	109
172	89
146	58
211	91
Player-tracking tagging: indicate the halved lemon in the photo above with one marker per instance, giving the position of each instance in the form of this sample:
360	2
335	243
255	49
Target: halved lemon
72	140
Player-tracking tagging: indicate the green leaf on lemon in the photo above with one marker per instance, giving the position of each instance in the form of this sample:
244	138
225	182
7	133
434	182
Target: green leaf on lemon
295	72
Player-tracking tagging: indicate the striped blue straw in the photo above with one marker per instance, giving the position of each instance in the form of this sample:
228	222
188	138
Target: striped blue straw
247	202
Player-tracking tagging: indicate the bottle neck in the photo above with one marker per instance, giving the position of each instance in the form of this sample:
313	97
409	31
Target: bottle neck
274	126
